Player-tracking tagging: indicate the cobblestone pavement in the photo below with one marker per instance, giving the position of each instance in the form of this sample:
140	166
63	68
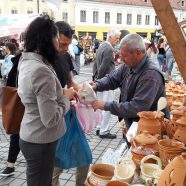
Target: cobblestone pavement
97	145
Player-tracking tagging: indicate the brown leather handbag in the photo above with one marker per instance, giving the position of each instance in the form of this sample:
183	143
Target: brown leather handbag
12	110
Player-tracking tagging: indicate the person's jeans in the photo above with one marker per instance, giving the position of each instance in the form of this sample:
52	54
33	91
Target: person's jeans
81	176
40	162
106	96
161	61
14	148
170	64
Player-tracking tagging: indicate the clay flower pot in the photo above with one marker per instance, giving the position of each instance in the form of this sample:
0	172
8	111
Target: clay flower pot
149	123
175	172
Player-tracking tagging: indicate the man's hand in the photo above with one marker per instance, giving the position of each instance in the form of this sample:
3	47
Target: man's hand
98	104
69	93
93	85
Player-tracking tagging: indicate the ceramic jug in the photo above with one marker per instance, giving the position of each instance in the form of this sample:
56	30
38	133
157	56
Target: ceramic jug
149	123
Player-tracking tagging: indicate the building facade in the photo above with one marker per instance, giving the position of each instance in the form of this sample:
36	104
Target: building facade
95	17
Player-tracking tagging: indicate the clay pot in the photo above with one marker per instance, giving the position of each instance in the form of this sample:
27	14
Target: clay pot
169	97
176	114
175	172
101	174
180	98
167	128
168	149
139	153
117	183
175	105
149	123
147	140
181	131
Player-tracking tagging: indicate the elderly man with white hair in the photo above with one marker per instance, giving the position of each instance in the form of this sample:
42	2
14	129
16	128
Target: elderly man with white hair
104	64
140	81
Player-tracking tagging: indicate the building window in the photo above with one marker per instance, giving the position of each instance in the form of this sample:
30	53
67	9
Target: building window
147	20
29	11
83	16
65	16
65	1
14	10
156	21
119	18
107	17
129	19
138	19
182	3
95	16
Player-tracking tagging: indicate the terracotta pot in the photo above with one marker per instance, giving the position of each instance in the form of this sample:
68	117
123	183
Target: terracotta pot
175	172
175	105
167	128
147	140
117	183
149	123
176	114
168	149
139	153
169	97
101	174
181	131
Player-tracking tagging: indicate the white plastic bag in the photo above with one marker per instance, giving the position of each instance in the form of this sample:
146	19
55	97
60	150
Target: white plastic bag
88	96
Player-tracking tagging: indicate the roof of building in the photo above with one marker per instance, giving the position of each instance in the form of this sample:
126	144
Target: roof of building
176	4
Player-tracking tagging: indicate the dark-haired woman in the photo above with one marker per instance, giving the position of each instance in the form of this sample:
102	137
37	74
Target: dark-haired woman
161	53
45	101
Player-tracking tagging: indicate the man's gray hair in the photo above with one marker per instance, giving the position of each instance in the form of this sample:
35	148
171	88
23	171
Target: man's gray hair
113	32
133	42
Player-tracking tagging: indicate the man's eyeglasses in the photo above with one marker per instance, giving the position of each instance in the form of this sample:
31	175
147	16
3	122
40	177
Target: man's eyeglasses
68	32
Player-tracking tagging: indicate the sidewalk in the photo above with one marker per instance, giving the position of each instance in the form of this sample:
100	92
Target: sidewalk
97	145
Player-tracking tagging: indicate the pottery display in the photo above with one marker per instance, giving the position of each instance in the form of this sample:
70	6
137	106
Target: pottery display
148	169
145	139
124	170
101	174
168	149
175	172
149	123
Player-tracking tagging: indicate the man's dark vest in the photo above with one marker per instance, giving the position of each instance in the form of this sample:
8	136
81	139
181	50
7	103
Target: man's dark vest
148	65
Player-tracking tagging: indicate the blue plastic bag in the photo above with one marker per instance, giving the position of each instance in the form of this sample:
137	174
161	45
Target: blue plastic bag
72	149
